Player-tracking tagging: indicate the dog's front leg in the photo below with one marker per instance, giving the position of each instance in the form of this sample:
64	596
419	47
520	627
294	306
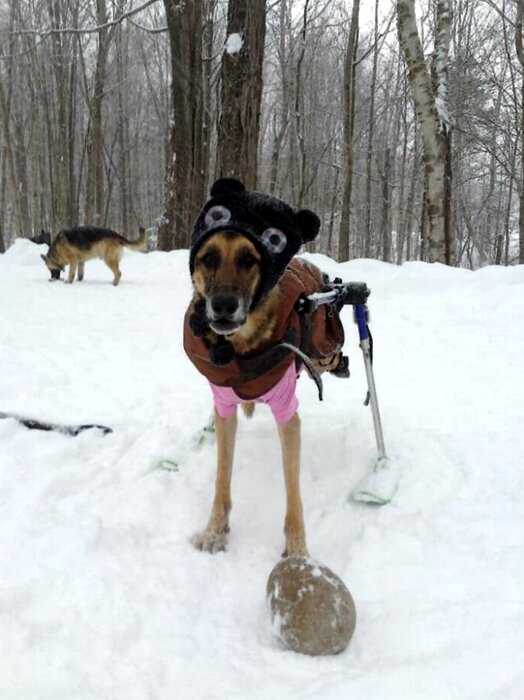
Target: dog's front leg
214	537
289	434
72	273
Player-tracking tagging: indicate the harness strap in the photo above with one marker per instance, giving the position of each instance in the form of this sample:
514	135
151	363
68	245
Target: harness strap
256	365
315	376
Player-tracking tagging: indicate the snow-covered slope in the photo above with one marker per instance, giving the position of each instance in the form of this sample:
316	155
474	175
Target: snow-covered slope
101	594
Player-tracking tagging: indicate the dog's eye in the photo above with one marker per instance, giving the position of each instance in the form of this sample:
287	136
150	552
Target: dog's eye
210	260
217	215
246	260
274	240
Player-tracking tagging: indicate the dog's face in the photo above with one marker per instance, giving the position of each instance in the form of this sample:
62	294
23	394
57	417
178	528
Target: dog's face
54	268
227	275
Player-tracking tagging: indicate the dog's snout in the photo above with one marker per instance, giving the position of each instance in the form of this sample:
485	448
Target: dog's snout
224	305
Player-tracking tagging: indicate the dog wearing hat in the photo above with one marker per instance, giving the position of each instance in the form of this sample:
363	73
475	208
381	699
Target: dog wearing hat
243	333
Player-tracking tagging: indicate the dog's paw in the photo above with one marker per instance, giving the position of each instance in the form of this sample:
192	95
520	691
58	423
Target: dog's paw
210	541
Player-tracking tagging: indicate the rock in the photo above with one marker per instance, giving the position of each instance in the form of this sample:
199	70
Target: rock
312	611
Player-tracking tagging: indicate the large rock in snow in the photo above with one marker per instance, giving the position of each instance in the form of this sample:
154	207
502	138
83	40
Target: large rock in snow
312	611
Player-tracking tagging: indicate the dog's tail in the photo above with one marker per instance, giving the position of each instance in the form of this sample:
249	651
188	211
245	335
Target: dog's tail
249	408
141	241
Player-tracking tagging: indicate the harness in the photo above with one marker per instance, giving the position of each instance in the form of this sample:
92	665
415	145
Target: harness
299	336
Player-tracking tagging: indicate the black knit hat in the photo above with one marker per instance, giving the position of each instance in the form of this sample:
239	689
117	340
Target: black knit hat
276	230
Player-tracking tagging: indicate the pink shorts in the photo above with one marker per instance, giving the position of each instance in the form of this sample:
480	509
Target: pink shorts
281	399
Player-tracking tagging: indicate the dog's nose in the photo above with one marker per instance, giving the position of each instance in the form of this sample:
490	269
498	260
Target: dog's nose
224	305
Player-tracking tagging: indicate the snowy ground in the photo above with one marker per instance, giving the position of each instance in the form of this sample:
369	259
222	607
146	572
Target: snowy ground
101	594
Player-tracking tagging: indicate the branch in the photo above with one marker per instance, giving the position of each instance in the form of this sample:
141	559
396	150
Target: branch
500	12
77	30
377	40
149	30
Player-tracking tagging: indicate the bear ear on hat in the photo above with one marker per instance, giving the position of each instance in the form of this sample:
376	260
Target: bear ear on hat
225	186
309	224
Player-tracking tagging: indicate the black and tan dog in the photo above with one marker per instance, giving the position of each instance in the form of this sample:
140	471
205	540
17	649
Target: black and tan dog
246	284
76	245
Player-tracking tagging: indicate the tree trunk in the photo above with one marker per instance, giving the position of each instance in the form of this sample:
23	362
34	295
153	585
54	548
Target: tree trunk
409	216
22	221
94	205
520	53
349	123
431	108
281	122
401	205
123	131
300	110
371	128
59	50
14	147
3	188
207	123
507	226
241	72
186	173
386	208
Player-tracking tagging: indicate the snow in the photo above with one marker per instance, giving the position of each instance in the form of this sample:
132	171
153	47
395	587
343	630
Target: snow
234	44
101	593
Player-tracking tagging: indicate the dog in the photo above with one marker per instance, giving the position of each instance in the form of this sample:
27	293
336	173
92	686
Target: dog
76	245
246	282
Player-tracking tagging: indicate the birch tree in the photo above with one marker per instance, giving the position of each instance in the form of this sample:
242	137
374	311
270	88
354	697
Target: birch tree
431	101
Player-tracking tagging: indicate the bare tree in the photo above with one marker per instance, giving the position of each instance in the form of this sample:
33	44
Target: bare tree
186	176
89	126
349	128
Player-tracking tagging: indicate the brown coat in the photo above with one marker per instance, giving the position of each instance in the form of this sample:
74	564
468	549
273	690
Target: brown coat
253	374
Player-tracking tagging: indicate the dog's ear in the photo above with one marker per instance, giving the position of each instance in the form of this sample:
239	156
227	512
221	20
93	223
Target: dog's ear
309	224
225	186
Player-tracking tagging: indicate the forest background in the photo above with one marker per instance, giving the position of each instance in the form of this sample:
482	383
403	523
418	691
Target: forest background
407	143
